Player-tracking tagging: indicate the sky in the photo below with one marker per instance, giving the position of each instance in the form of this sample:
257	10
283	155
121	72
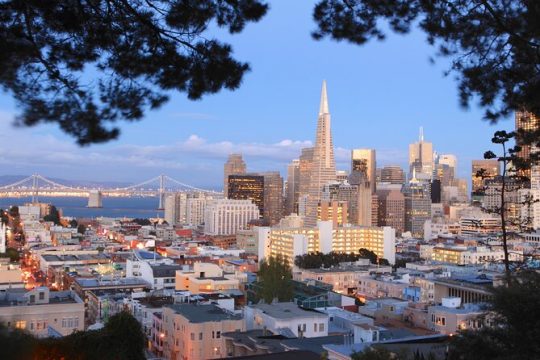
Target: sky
379	95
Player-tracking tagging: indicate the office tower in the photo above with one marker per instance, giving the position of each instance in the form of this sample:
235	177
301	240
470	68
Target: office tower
323	167
421	158
226	217
364	205
444	173
95	199
305	166
489	168
435	191
292	189
392	174
341	176
334	211
175	208
195	207
447	159
391	208
526	122
535	192
491	201
235	165
247	187
273	197
363	165
417	206
374	209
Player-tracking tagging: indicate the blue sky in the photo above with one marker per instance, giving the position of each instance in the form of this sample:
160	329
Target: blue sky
379	95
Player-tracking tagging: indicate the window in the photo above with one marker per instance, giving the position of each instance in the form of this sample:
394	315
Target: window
200	336
192	336
21	324
321	327
33	299
315	327
41	295
218	334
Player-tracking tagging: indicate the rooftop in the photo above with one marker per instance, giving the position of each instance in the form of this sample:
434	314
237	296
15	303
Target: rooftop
203	313
286	310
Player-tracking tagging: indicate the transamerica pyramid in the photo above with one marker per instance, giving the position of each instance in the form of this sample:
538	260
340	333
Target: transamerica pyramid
324	165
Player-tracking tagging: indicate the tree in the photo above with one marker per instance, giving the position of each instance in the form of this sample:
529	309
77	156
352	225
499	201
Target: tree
275	279
53	216
373	354
81	229
494	45
87	64
73	223
515	316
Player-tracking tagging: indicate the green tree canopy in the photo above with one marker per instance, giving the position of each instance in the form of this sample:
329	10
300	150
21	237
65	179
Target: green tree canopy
136	51
275	277
494	45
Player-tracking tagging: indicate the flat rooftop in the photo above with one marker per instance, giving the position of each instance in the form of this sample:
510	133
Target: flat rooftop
203	313
286	310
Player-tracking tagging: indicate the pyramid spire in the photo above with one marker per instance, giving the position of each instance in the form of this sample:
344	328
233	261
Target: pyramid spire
323	109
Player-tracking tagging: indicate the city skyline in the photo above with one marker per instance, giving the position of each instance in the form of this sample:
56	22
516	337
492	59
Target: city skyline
388	85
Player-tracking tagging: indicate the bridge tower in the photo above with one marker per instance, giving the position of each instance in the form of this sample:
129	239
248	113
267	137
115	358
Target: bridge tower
161	193
35	188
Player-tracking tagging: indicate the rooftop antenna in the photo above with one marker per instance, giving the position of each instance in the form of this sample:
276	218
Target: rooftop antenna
421	133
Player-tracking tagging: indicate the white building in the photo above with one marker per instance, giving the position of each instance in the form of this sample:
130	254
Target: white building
292	242
160	273
175	208
226	217
286	318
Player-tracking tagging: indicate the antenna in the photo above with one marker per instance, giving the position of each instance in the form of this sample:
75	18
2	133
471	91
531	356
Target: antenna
421	133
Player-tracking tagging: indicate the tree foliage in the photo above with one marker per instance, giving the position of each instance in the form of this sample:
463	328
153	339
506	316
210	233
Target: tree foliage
53	216
87	64
319	260
122	338
516	324
494	45
275	279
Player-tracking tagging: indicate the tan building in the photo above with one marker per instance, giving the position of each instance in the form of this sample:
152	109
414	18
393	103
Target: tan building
526	121
39	309
194	332
335	211
488	169
273	197
206	278
363	165
235	165
292	189
421	157
290	242
391	209
392	174
323	169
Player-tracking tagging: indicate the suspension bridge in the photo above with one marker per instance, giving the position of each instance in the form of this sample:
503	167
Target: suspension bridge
37	185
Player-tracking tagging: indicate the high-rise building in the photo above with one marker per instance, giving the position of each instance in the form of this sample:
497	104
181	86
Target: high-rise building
491	201
391	209
417	206
247	187
448	159
435	191
323	167
363	166
273	197
292	188
175	208
305	164
334	211
483	170
392	174
235	165
421	158
226	217
195	207
526	122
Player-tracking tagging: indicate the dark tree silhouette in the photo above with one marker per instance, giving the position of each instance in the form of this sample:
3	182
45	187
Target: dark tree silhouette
275	279
494	45
87	64
320	260
515	319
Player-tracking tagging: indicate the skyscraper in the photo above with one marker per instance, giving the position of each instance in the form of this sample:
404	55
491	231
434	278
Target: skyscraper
305	166
417	206
391	209
292	188
363	164
235	165
323	167
273	196
421	158
392	174
490	169
247	187
525	122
